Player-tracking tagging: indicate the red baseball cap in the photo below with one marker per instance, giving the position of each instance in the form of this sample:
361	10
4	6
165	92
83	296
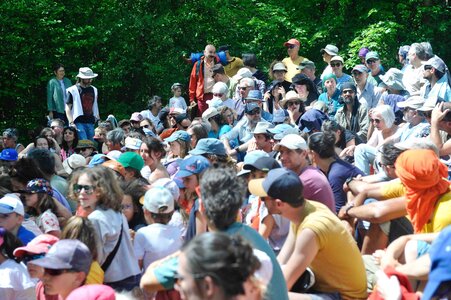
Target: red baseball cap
40	244
292	42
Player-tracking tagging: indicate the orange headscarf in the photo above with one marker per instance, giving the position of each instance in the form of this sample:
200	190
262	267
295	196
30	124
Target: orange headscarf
424	177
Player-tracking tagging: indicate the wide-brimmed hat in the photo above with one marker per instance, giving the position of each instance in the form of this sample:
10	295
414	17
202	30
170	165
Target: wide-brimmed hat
330	49
262	127
254	95
86	73
414	102
393	79
279	67
82	144
290	96
209	113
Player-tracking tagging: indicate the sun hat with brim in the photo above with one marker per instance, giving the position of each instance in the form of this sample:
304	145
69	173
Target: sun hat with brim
263	164
279	67
428	105
115	166
337	58
191	165
414	102
215	102
440	254
255	95
242	73
262	127
251	158
178	135
131	160
86	73
85	144
280	183
393	79
9	154
159	200
67	255
330	49
290	96
209	146
11	203
435	62
38	245
292	142
73	162
92	292
209	113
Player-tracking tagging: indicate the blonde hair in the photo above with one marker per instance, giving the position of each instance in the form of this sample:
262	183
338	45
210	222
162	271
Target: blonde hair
79	228
109	193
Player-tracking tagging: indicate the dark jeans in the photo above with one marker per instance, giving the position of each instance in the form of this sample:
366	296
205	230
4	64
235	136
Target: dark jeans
126	284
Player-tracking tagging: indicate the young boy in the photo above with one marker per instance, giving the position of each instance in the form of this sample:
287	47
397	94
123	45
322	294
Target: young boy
158	239
177	101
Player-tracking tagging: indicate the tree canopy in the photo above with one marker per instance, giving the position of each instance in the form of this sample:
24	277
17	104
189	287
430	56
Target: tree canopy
136	45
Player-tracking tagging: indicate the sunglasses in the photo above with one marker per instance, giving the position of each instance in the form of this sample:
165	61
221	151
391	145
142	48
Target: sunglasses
377	121
291	46
145	126
427	67
89	189
54	272
244	87
254	112
53	127
218	95
348	92
29	258
371	61
335	65
290	103
355	74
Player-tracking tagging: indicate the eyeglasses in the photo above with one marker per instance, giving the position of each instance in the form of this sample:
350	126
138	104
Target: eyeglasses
53	127
335	65
254	112
5	216
145	126
427	67
291	46
54	272
371	61
89	189
126	206
377	121
355	74
290	103
348	92
28	258
244	87
218	95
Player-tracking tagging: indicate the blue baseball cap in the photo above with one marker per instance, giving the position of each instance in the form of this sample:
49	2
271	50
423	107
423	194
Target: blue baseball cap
9	154
97	159
179	135
254	95
195	164
280	128
251	158
209	146
440	254
280	183
313	120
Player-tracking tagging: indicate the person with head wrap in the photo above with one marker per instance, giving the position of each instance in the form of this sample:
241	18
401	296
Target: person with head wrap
428	195
353	115
331	94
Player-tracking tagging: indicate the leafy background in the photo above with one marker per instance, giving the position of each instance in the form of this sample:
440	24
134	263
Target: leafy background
136	45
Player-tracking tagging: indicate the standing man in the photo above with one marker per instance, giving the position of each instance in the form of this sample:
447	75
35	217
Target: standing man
293	60
201	80
56	93
314	238
82	110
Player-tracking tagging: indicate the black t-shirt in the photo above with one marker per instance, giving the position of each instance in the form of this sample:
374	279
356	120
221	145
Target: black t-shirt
87	103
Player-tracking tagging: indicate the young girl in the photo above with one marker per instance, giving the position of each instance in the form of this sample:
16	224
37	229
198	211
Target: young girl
131	208
177	101
152	150
97	189
180	145
39	201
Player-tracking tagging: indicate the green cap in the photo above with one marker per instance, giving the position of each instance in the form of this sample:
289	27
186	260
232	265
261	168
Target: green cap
131	160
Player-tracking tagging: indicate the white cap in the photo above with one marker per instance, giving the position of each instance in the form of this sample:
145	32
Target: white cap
293	142
11	203
261	127
209	113
72	162
132	143
114	154
159	200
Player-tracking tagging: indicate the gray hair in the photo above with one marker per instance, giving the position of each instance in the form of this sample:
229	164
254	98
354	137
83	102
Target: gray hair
422	50
247	81
116	136
386	113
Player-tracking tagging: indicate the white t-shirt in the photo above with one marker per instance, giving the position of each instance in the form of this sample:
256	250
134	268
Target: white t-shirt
156	241
15	283
177	102
155	119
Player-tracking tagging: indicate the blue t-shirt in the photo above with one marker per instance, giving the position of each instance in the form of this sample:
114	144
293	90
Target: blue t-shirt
277	288
25	235
333	104
338	172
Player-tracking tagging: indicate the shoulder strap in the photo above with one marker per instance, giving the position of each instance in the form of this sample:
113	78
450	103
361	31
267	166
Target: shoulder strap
106	264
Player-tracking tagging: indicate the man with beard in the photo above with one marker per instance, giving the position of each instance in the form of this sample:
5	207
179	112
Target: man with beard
353	115
438	84
82	110
243	130
201	80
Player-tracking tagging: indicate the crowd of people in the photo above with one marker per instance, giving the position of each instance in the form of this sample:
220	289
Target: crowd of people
285	185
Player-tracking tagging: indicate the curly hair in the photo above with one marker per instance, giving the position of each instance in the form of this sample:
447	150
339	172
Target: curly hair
222	194
105	183
228	260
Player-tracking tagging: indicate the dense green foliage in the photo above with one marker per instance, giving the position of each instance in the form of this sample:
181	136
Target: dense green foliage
136	45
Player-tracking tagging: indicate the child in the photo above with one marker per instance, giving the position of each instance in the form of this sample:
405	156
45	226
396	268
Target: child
158	239
38	198
177	101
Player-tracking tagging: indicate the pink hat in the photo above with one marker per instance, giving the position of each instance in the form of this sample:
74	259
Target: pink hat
40	244
92	292
292	42
136	116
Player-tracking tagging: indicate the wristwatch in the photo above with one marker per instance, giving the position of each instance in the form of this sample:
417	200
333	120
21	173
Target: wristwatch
237	149
348	208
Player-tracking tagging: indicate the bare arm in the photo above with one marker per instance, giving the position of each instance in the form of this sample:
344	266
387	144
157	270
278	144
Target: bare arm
287	248
266	226
380	211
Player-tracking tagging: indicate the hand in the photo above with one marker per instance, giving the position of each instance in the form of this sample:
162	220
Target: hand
132	234
437	113
348	151
388	288
252	146
282	91
342	212
192	104
267	96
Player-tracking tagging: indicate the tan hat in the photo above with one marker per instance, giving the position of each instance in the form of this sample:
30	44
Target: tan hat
291	95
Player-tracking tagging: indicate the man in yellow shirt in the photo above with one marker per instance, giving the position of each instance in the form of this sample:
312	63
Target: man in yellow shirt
293	60
317	239
233	63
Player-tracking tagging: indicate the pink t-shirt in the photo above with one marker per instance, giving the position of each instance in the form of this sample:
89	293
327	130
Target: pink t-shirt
41	296
317	187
